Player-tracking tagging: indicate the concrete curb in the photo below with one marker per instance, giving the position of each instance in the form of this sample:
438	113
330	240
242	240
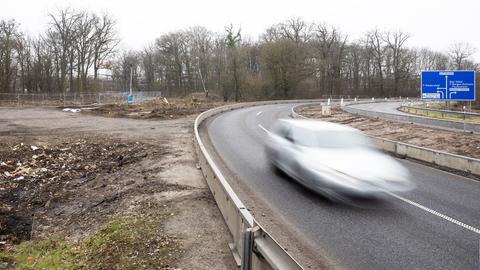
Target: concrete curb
440	158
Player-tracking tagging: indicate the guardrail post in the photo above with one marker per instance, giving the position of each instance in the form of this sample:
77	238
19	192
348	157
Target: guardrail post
247	249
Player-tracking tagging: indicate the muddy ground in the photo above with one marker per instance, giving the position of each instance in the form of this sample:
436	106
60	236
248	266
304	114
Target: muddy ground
87	192
460	143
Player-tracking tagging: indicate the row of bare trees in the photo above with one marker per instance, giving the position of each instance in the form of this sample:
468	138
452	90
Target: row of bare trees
75	45
291	59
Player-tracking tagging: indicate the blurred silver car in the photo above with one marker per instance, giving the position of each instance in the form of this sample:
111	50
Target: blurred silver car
333	159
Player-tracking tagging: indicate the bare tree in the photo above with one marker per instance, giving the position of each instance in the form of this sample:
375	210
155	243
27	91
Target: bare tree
395	43
105	41
295	29
459	53
232	40
9	36
330	46
84	46
148	65
377	48
171	48
201	52
62	36
127	61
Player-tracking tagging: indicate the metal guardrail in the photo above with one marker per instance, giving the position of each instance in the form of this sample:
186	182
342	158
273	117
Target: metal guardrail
253	247
436	157
463	115
422	120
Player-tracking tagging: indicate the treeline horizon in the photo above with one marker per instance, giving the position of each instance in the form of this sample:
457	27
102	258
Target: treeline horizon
291	59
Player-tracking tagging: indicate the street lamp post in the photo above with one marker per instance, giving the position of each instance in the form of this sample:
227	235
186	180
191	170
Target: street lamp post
131	78
130	96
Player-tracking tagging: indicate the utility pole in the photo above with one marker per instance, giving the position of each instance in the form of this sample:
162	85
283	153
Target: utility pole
203	83
130	96
201	77
131	78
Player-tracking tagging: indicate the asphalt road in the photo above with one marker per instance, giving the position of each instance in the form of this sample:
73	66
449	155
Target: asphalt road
433	227
382	107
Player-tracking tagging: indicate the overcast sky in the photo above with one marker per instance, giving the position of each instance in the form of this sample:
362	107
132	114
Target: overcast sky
434	24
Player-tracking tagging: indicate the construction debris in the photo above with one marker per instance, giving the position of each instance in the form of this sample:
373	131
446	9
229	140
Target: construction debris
31	176
161	108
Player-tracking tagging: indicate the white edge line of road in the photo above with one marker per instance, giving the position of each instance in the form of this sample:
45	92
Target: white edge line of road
295	113
424	208
260	112
431	211
264	129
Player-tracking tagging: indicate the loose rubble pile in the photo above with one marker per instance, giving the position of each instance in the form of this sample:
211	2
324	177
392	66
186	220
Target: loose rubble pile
160	108
33	176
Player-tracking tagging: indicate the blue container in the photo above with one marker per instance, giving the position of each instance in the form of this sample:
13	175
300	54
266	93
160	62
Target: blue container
130	99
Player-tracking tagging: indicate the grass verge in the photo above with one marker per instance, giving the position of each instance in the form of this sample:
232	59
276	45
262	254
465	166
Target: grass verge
129	242
441	115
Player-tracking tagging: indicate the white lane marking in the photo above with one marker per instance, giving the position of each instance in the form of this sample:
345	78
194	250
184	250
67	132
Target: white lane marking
260	112
295	114
431	211
264	129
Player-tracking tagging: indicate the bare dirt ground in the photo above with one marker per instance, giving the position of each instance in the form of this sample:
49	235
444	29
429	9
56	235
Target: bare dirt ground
460	143
80	191
161	108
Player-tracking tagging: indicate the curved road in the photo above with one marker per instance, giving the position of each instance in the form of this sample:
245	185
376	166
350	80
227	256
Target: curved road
381	107
388	111
433	227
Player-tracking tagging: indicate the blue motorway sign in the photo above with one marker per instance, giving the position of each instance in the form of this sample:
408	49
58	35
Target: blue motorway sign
448	85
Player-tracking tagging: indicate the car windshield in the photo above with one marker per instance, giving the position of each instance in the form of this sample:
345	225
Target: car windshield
330	138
